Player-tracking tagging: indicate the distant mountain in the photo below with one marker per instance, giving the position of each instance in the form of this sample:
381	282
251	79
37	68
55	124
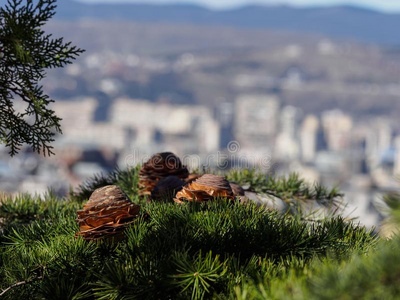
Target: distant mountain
338	21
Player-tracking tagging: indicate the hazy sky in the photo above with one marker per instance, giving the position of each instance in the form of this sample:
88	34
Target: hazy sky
385	5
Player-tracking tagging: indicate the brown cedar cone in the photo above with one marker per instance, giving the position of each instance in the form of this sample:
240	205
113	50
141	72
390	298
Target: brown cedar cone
192	177
166	188
107	213
205	188
159	166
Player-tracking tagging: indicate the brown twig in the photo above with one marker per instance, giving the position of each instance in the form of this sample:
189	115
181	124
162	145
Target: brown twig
19	284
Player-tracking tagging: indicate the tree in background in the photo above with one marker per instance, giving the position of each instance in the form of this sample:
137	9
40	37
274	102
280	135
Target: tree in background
26	51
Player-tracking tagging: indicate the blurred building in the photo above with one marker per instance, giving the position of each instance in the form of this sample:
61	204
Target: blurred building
287	146
256	120
225	116
337	128
308	138
78	112
184	128
378	141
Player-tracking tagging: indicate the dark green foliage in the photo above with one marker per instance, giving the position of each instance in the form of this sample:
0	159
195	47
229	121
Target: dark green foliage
198	273
370	275
393	202
24	209
375	275
126	179
26	51
367	277
180	252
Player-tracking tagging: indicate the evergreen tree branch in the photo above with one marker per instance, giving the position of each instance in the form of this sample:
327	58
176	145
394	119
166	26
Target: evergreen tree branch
25	53
17	284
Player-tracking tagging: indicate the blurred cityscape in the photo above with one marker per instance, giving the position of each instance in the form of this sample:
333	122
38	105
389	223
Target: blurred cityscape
281	102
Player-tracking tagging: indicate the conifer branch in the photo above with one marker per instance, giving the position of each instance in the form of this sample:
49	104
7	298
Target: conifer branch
26	51
17	284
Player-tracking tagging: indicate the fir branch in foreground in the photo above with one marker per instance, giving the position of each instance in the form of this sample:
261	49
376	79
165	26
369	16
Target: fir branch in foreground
292	190
17	284
189	251
26	51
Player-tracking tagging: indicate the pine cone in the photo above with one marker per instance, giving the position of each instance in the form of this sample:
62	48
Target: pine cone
159	166
166	188
192	177
107	213
205	188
